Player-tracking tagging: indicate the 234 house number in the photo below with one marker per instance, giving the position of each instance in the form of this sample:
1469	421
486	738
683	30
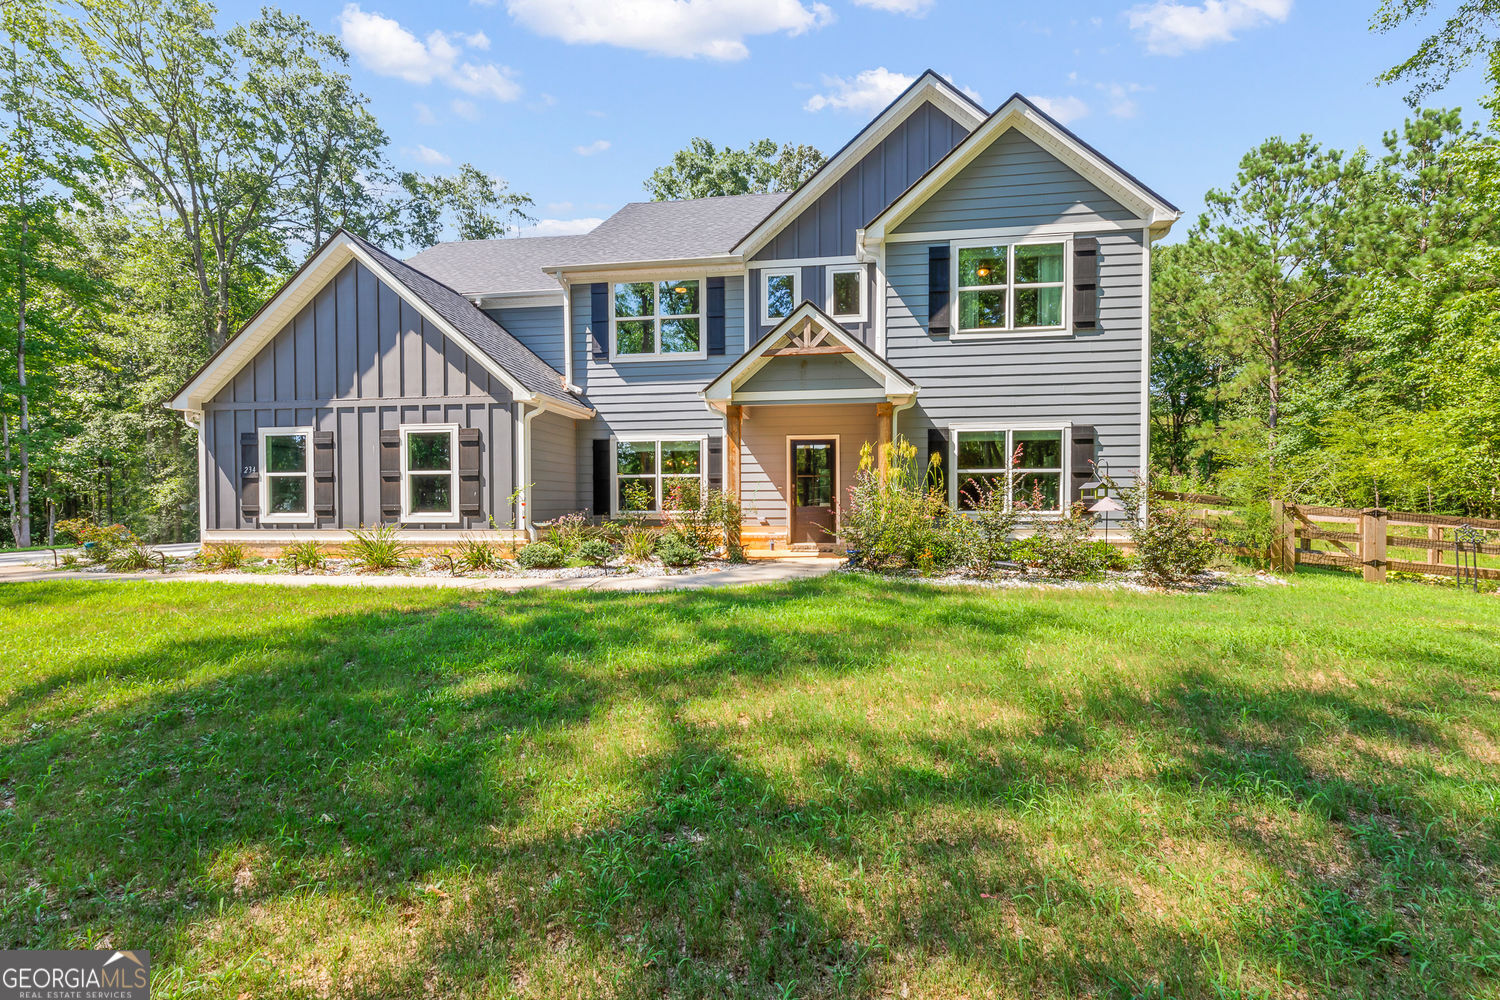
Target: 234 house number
248	470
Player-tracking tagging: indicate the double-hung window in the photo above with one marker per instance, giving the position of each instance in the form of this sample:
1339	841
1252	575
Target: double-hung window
658	319
429	459
658	475
286	476
1023	465
846	292
1010	288
780	293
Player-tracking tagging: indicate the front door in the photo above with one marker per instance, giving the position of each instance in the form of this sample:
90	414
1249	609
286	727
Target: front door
813	465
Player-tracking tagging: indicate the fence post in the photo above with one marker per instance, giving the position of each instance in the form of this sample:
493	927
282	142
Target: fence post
1372	530
1283	538
1435	553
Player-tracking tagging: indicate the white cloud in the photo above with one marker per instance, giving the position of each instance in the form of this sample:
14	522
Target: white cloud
467	110
424	114
597	146
715	29
561	227
1064	109
427	155
1171	28
1121	102
382	45
914	8
868	92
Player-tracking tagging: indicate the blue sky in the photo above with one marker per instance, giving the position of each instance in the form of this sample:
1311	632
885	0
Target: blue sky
575	101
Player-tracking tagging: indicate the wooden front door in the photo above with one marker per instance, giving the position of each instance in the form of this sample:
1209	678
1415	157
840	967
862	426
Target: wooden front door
813	488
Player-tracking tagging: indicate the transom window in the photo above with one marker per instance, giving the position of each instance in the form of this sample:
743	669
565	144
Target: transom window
1010	287
653	476
846	291
286	473
780	293
429	456
1024	466
655	318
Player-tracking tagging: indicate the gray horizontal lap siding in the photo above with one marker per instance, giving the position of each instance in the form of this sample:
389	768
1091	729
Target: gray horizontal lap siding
356	360
538	327
791	373
1089	377
657	398
554	463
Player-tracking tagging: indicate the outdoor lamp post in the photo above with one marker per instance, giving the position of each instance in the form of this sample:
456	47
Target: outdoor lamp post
1107	506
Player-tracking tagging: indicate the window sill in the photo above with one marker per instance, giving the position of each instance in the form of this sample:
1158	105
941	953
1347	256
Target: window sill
1041	331
630	359
430	519
287	519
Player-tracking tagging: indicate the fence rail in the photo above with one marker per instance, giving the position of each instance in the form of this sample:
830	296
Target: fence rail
1366	547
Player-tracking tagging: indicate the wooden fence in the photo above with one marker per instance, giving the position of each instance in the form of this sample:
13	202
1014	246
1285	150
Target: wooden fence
1357	539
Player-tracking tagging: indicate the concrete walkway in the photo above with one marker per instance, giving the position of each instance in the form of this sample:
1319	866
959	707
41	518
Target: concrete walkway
745	574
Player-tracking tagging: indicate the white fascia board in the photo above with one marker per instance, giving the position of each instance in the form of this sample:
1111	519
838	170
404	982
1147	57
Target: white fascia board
514	300
934	90
717	265
1017	115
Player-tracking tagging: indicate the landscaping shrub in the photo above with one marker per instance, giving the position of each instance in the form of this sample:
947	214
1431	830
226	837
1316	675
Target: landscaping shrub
637	543
478	555
1110	557
99	541
675	550
707	521
130	559
1064	547
540	555
1169	547
594	551
222	556
377	548
303	555
568	533
902	521
985	535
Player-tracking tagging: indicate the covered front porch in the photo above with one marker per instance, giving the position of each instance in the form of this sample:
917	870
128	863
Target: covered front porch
800	409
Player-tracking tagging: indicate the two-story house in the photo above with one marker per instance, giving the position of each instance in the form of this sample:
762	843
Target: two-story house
973	282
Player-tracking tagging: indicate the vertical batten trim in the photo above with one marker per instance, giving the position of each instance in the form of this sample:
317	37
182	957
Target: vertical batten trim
1145	446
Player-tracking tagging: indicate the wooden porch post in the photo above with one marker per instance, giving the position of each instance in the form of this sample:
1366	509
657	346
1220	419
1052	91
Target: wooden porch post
883	420
732	449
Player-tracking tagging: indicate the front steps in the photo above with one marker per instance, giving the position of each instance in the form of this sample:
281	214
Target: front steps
765	542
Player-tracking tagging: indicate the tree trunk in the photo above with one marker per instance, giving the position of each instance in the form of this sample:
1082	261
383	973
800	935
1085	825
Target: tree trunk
1273	410
51	512
22	506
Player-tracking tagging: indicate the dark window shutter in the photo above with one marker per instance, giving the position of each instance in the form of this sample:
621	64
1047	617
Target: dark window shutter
249	475
937	444
599	319
601	477
715	315
390	474
716	462
937	290
1084	452
322	442
1085	283
468	472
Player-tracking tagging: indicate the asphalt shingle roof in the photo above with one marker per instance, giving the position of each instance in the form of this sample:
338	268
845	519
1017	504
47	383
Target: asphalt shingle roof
485	334
641	231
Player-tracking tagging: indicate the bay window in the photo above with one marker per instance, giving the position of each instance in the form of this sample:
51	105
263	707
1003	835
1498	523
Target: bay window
1025	466
657	318
1009	288
429	457
286	480
656	475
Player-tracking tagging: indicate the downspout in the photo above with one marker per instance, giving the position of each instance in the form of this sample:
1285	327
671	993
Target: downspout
896	414
567	316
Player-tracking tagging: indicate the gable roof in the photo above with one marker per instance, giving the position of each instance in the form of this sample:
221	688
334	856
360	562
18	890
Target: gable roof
927	87
1023	115
528	377
721	389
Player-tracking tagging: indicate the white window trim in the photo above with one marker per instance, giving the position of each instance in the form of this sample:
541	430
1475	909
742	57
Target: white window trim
1011	330
1065	483
656	319
864	291
766	319
449	516
657	477
265	477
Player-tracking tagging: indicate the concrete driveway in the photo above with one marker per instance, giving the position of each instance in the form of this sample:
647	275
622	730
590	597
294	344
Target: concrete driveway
43	557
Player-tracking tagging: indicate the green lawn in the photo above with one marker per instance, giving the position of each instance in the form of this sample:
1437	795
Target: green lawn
833	788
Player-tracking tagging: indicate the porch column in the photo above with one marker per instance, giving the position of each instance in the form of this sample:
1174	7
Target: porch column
732	449
883	419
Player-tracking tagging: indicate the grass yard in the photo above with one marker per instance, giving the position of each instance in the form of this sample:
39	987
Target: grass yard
835	788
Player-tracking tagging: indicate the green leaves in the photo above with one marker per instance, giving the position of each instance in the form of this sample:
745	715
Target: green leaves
705	171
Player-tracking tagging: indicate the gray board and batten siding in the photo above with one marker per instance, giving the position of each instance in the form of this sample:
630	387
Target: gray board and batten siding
1089	376
358	359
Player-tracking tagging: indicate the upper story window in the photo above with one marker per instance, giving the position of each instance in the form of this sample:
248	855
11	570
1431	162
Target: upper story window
780	293
658	319
846	292
1024	465
1010	288
429	457
286	458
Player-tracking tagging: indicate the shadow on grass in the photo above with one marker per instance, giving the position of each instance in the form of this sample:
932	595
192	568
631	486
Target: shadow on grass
366	757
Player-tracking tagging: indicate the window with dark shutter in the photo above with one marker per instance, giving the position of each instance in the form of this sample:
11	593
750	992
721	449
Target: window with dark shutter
599	320
468	472
715	316
938	323
1085	283
390	474
249	475
715	462
601	477
323	492
1085	450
